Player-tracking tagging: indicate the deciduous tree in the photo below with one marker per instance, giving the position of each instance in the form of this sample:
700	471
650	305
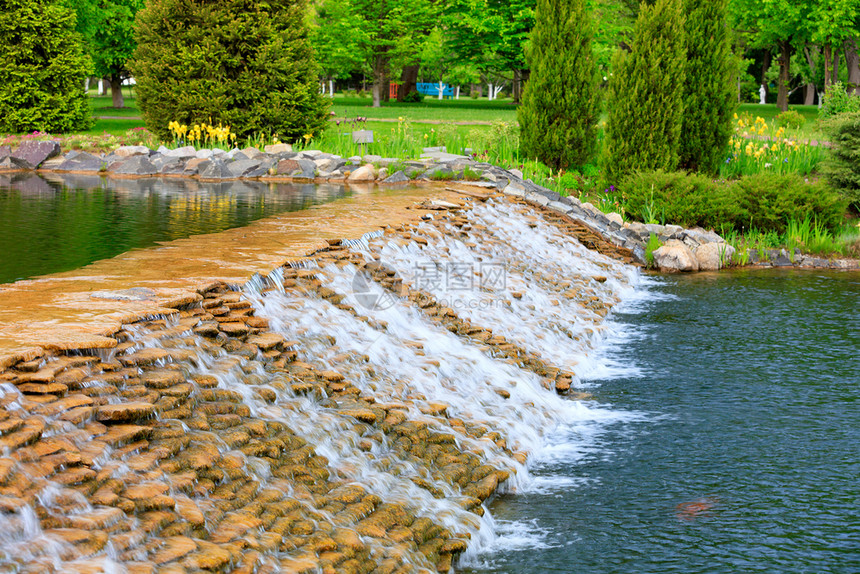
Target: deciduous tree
108	31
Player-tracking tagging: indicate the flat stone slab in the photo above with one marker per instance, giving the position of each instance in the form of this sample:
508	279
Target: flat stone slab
126	412
34	153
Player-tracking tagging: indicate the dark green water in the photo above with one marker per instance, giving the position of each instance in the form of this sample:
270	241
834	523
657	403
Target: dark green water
53	226
748	418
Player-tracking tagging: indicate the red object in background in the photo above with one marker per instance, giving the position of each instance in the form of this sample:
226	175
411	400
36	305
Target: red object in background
392	91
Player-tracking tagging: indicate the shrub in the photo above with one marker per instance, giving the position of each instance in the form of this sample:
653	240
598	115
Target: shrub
766	202
709	100
838	101
674	197
241	63
842	164
769	201
790	119
42	68
560	107
643	130
413	98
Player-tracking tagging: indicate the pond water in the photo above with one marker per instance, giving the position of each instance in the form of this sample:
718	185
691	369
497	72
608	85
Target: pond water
736	444
67	222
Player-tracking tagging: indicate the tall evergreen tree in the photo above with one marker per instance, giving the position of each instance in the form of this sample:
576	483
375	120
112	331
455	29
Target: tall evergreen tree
42	68
646	95
559	112
245	63
709	98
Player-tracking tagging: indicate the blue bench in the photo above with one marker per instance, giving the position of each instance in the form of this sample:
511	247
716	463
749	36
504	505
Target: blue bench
432	89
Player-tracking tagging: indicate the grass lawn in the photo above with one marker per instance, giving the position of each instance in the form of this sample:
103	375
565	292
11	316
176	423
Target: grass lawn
462	110
103	105
810	129
114	127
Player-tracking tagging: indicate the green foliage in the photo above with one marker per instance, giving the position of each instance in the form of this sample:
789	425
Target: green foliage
769	201
791	119
842	165
42	68
762	201
643	129
413	98
243	63
838	101
653	245
558	116
709	98
108	29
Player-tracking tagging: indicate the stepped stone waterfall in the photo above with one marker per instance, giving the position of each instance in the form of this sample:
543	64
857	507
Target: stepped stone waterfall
354	411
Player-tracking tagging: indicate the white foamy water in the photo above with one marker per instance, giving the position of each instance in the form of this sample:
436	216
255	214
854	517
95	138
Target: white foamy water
520	277
511	273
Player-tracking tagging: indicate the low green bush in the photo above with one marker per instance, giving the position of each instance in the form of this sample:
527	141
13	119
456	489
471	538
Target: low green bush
842	164
769	201
790	119
765	201
413	98
838	101
674	197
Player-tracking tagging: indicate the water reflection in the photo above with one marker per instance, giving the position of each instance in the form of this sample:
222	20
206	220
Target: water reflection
59	222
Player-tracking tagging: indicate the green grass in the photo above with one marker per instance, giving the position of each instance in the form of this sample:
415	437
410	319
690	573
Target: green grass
103	105
806	235
463	110
113	127
810	129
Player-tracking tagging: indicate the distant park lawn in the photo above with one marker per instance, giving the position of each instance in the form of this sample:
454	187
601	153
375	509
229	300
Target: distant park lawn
464	111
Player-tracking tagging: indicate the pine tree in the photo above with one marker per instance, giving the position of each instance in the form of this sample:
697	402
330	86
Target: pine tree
42	68
245	63
646	95
559	112
709	100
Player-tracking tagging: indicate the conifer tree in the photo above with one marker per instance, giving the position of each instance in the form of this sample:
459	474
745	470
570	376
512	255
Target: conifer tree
245	63
42	68
559	112
646	95
709	99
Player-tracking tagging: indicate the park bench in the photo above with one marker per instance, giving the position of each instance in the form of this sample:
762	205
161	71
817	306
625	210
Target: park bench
432	89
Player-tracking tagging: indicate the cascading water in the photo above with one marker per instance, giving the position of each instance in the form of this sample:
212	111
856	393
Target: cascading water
422	377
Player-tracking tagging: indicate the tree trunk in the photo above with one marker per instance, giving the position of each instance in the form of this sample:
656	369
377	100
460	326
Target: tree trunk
765	66
828	78
386	86
852	60
784	75
835	76
490	91
102	83
331	88
408	81
116	92
809	95
457	92
380	75
517	90
809	89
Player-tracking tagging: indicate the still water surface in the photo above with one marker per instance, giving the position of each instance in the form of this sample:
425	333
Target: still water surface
64	224
737	446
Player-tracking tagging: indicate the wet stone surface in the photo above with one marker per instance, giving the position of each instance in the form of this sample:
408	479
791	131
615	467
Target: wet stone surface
226	437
